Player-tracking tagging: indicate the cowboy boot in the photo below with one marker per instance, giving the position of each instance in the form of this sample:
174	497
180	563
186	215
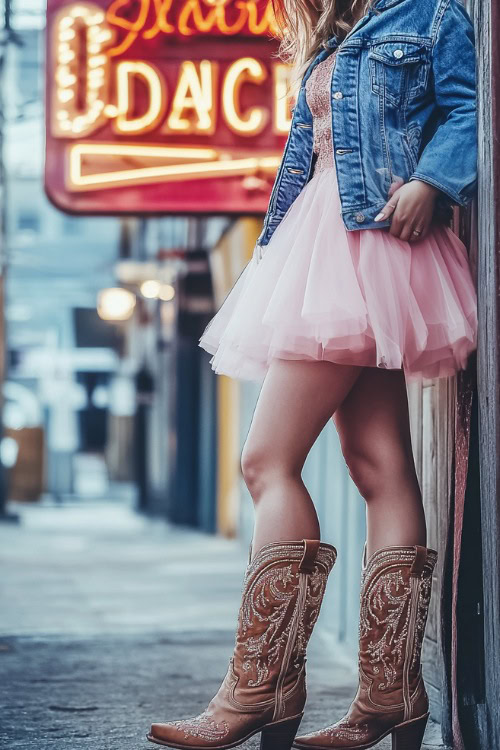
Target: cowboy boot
264	688
391	696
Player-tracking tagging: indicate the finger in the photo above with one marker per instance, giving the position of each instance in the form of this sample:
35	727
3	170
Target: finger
419	230
388	209
407	230
416	236
397	224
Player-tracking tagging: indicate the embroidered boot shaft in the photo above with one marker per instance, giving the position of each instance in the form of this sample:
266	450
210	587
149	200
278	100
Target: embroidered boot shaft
264	688
391	696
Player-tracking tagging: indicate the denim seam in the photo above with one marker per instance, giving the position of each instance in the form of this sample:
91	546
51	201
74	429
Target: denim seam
438	18
458	197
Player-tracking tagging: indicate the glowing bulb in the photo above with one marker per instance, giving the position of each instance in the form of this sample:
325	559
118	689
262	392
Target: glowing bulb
150	289
79	10
115	303
66	35
66	22
166	293
65	96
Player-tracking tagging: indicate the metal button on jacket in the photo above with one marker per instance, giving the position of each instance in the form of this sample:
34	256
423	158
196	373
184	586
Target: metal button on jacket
338	95
398	53
360	218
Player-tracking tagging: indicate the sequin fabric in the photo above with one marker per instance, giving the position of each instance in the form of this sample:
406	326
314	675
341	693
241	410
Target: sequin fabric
318	96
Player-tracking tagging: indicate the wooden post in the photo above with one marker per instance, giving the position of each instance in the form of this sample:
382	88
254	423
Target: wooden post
486	16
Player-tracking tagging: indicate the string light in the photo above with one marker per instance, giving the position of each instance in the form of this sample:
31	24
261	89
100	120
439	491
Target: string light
91	19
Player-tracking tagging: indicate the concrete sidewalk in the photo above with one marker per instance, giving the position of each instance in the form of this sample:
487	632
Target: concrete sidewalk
110	621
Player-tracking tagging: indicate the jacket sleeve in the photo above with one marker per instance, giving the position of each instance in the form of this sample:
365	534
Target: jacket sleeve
449	159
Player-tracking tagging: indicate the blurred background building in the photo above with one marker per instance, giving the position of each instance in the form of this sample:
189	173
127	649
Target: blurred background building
107	393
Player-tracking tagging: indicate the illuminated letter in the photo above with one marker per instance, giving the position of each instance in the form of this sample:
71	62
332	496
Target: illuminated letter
125	73
282	119
194	92
76	112
243	70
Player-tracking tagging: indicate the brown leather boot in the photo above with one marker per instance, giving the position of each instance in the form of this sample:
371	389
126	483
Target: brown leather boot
391	696
264	689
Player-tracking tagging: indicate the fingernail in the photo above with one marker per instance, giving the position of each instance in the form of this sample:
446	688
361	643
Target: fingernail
379	216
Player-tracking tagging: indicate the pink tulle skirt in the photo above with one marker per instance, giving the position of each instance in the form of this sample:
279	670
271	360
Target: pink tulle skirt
363	297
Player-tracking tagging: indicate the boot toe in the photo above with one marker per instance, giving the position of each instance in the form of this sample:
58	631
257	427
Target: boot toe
312	740
164	731
201	731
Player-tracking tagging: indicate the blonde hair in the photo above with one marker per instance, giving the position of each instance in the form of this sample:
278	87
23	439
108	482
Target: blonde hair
305	26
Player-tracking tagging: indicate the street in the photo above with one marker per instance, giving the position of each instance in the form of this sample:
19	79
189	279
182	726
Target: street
111	620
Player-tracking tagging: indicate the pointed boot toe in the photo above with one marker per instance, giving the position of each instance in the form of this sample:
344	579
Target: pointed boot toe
391	696
199	732
309	742
163	733
264	688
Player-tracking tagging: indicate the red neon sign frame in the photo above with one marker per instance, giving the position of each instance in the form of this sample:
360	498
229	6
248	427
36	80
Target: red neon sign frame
163	106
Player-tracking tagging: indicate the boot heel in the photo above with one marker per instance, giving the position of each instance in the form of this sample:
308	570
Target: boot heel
279	736
409	736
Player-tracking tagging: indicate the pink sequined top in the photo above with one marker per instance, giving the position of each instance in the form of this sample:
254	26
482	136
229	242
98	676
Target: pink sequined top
318	96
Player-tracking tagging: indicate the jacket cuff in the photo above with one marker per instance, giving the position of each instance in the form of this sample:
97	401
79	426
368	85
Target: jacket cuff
458	199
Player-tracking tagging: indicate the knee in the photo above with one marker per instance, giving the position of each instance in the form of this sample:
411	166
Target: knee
363	470
254	468
260	468
374	469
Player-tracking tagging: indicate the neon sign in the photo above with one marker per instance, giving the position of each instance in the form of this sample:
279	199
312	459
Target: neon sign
191	17
183	98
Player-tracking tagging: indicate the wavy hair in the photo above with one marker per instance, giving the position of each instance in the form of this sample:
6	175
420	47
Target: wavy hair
305	26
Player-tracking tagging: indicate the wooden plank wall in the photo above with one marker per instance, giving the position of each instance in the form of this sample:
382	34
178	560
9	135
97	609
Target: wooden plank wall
486	15
433	408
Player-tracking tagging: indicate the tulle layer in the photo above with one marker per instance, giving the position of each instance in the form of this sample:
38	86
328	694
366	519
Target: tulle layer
365	297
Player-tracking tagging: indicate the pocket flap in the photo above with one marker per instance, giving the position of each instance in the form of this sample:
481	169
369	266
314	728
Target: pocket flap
398	53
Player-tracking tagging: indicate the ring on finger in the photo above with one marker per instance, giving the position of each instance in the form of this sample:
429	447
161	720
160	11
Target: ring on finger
417	231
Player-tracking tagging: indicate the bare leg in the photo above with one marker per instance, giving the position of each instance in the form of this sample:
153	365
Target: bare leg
373	425
296	401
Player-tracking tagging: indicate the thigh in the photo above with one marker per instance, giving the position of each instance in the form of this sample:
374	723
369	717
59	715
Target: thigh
296	401
373	419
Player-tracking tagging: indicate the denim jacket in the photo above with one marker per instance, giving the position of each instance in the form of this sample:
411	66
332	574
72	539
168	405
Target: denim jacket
403	98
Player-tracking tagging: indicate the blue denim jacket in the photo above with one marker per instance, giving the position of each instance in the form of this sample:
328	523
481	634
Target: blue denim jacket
403	106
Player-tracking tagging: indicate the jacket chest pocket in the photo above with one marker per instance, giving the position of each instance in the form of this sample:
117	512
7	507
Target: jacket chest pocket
398	70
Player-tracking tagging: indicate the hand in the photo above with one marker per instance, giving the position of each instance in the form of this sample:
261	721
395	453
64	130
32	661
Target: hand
411	207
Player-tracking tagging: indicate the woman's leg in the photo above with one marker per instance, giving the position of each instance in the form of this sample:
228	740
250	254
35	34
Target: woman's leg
374	429
296	400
